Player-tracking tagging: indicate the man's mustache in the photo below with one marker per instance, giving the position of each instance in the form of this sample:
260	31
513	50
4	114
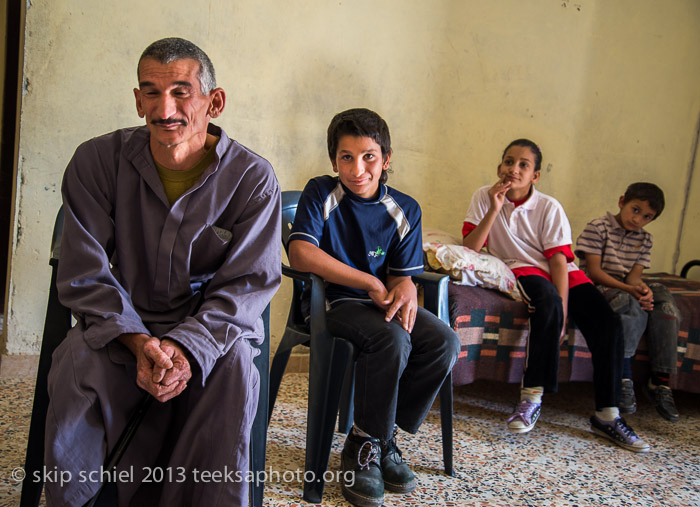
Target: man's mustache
169	121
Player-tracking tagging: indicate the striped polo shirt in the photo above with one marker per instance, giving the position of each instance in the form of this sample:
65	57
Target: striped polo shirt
618	248
380	236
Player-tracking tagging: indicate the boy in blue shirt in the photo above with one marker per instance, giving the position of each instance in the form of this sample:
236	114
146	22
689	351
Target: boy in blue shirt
614	250
364	239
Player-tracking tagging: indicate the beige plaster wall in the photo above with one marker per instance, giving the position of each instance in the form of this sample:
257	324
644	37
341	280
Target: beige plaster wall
689	245
608	89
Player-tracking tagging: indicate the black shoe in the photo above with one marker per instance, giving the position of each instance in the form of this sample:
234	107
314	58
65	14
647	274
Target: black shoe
398	477
362	482
628	402
620	433
662	398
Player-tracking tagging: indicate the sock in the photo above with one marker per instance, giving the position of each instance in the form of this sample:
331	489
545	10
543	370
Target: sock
658	379
534	394
358	432
608	413
627	368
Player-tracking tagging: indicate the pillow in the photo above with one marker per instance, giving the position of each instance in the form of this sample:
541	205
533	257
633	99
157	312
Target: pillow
445	254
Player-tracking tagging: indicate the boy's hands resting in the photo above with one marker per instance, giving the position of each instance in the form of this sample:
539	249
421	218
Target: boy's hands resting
379	294
398	299
638	289
644	295
633	283
402	301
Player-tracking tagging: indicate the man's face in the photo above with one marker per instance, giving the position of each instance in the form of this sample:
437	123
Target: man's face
169	97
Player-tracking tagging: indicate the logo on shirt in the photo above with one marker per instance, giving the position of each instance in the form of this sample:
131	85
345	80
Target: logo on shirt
376	253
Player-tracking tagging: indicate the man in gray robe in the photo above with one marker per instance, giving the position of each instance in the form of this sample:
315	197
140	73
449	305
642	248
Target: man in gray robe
170	253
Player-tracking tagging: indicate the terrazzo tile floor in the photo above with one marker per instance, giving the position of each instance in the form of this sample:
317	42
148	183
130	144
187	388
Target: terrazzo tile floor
560	463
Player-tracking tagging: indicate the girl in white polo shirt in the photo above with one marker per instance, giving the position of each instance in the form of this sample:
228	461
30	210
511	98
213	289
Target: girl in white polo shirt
531	233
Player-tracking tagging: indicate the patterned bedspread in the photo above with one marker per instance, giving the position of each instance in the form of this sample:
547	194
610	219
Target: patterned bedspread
493	331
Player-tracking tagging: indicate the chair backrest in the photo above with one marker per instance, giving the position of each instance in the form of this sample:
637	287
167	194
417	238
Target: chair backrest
290	200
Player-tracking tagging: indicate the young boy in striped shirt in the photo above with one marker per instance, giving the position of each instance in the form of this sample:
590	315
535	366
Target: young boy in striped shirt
614	250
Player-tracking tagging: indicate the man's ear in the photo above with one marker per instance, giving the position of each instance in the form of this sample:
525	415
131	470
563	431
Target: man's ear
385	165
621	202
217	102
335	166
139	108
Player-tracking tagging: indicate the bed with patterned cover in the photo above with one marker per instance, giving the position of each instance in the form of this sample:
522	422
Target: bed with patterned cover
493	331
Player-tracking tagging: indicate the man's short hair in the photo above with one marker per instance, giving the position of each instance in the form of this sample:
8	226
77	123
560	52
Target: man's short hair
646	192
171	49
360	123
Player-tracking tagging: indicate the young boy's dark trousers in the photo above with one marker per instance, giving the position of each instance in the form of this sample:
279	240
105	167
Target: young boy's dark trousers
598	323
397	374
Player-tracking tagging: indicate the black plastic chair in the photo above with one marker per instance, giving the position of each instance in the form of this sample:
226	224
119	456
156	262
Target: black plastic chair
332	367
56	325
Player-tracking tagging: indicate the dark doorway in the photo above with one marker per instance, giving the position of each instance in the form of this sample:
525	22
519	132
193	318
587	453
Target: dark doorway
14	26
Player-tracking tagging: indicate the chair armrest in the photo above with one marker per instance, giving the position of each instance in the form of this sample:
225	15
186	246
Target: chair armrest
435	294
296	275
317	308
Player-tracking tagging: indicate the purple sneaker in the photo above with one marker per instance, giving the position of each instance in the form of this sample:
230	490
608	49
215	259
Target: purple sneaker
524	416
620	433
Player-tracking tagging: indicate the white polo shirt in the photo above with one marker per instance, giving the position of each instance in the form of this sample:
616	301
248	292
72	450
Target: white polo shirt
521	235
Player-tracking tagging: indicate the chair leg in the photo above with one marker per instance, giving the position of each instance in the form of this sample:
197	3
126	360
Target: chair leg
258	433
345	415
446	424
325	383
279	364
346	409
34	461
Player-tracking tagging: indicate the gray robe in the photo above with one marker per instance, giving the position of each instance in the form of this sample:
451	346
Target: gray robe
200	272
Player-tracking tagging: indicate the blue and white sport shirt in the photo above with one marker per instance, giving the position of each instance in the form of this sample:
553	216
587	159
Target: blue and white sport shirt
379	236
